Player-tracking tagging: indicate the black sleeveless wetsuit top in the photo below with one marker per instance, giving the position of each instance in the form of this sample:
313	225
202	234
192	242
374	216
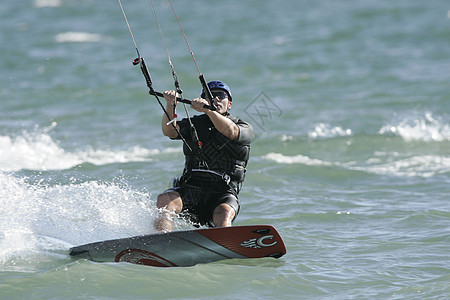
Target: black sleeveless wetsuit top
220	153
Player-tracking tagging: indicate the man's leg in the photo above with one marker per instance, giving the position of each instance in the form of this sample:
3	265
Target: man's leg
223	215
171	203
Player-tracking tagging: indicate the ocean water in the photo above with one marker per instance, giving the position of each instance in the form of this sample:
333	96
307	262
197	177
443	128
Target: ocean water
350	101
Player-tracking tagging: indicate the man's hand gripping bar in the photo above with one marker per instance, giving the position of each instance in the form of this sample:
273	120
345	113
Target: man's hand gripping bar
179	99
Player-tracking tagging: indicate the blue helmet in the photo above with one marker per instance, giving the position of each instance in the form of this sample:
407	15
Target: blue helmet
216	84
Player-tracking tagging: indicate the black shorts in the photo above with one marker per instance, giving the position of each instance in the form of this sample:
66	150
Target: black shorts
200	197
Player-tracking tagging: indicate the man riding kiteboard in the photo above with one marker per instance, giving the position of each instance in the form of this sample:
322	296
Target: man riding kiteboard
216	148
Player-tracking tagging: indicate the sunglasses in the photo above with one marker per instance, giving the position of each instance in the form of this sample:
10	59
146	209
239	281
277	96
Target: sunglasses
220	95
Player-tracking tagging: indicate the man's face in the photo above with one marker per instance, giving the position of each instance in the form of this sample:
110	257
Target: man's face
221	101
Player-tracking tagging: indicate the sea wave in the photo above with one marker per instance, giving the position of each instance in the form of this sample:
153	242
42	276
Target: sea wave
37	218
426	128
417	165
323	130
296	159
77	37
38	151
40	222
47	3
382	164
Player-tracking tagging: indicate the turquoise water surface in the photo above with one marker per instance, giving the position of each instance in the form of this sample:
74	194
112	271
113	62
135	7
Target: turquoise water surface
350	101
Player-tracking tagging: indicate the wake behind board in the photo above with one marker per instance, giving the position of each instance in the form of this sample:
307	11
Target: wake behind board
187	248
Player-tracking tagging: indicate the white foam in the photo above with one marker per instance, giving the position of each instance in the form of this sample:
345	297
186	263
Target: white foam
383	164
296	159
77	37
38	151
286	138
419	128
323	130
38	218
418	165
47	3
102	157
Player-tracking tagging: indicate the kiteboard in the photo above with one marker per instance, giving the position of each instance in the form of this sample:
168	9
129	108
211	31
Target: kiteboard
187	248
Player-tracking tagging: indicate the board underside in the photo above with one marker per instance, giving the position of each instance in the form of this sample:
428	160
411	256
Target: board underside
187	248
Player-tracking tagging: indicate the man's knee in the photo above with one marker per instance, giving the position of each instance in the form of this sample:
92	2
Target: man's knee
223	215
169	200
162	200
